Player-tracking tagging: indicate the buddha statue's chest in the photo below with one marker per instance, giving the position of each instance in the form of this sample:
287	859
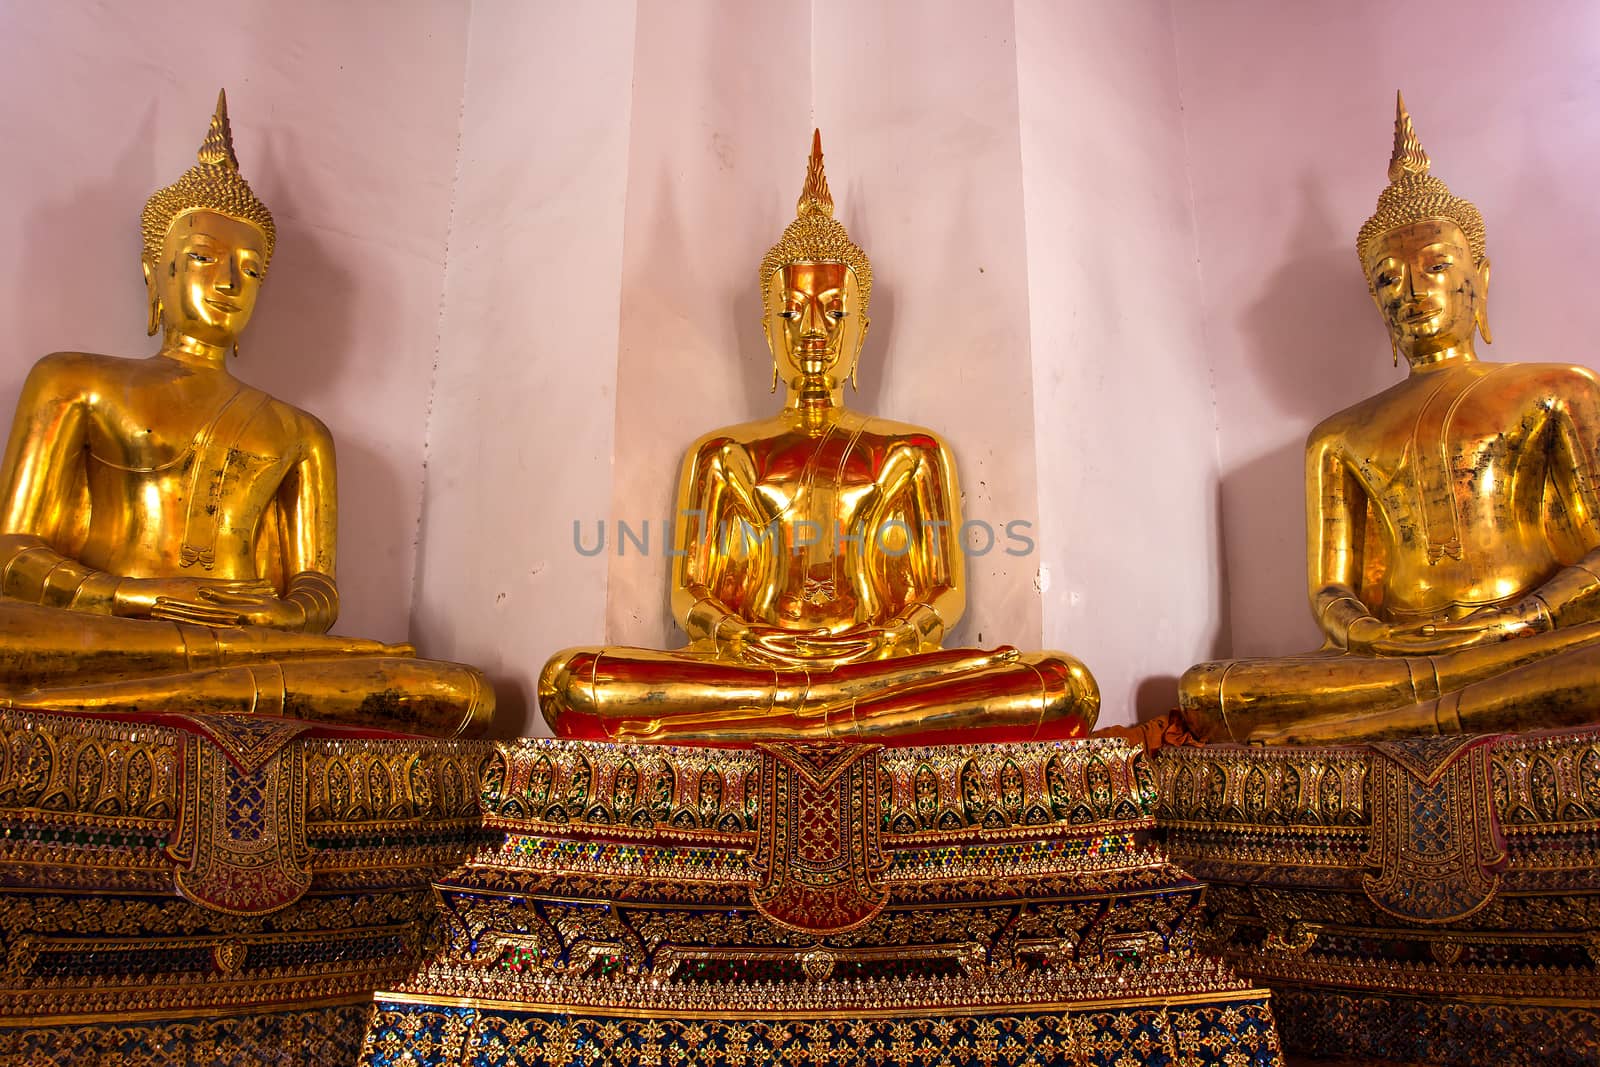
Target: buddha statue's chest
224	455
1460	448
834	484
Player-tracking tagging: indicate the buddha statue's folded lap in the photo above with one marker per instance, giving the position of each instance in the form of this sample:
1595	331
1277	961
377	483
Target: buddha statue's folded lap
1452	520
819	568
168	534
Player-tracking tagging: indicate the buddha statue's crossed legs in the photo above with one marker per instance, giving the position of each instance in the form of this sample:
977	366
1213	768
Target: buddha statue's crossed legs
1331	696
599	694
50	660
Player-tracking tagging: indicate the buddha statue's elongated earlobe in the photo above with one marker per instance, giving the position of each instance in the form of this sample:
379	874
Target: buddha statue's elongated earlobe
861	342
766	331
1394	347
1480	310
154	322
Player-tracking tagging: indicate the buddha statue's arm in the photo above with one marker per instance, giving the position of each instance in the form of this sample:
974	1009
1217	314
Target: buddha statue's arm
1335	520
1571	596
714	496
40	478
937	564
43	455
308	499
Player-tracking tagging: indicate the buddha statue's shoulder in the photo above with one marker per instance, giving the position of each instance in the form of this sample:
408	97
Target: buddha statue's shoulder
1361	418
903	435
1546	381
1509	393
71	372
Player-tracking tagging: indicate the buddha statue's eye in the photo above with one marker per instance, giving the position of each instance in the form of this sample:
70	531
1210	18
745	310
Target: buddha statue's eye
1385	280
790	315
1439	268
199	257
836	315
253	272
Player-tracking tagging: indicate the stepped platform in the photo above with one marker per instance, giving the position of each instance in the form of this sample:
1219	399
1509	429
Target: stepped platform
819	903
1434	900
215	889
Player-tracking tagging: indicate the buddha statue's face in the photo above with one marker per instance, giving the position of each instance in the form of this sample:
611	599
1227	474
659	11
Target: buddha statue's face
208	276
1428	287
813	321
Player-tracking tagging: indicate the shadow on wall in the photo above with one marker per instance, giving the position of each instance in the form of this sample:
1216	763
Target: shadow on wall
62	248
298	341
1154	696
874	368
1314	345
302	346
1316	341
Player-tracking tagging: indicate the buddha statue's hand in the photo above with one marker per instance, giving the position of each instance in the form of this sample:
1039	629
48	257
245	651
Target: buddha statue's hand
826	648
224	607
1490	624
139	597
774	646
1375	637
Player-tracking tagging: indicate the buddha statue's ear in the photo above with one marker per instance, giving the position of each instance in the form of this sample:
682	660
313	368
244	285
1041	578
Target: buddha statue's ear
1480	308
861	340
153	294
1383	313
766	330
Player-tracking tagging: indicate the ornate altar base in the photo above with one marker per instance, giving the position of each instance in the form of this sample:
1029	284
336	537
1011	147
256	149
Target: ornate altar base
819	903
1434	900
214	889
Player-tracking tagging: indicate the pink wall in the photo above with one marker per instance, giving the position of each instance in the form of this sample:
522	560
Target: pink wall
107	102
1289	111
520	432
1129	540
716	153
926	162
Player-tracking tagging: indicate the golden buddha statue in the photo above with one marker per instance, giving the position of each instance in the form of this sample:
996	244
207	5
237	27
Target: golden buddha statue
168	534
1452	521
818	566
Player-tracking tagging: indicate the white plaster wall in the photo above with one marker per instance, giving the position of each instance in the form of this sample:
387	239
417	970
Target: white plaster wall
106	102
1130	549
720	129
1289	110
919	116
520	434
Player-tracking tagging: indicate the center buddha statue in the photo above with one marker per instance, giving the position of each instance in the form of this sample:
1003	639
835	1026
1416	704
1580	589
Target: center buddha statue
818	566
1452	521
168	535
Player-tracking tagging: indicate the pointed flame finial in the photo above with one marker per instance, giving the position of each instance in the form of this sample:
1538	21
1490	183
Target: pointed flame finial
1408	156
815	197
217	148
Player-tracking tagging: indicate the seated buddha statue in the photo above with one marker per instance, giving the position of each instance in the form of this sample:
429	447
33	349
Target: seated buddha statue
1453	523
817	566
167	538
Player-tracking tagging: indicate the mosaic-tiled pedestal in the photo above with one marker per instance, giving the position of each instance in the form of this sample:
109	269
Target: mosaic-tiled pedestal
1434	900
819	904
214	889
